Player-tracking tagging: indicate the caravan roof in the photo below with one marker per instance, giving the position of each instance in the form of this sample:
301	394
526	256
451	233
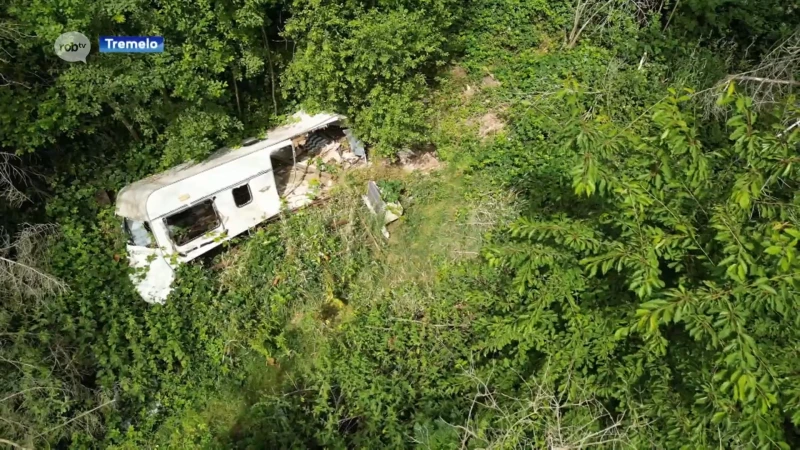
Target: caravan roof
132	199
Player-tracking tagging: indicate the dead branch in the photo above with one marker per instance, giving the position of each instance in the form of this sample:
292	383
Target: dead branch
271	71
774	77
669	19
10	32
236	91
12	444
118	113
763	80
526	422
15	394
597	13
22	261
75	418
585	12
12	176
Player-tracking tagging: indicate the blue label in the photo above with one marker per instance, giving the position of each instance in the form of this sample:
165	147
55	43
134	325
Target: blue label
131	44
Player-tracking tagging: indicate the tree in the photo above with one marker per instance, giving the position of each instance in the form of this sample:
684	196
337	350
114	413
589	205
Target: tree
703	236
372	63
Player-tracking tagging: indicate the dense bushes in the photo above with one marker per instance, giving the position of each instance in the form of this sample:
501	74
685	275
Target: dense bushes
372	62
678	255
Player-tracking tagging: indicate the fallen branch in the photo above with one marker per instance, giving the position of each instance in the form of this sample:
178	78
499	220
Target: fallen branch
13	444
762	80
76	418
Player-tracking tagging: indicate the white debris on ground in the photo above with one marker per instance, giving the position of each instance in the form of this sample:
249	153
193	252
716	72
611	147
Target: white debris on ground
337	153
330	153
390	211
393	212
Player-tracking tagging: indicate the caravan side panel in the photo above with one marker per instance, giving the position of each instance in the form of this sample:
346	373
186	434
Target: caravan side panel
253	172
206	184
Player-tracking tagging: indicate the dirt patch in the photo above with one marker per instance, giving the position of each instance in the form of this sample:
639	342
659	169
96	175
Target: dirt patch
489	81
424	162
458	73
490	123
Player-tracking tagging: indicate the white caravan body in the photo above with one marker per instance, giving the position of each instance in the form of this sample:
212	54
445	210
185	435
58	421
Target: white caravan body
184	212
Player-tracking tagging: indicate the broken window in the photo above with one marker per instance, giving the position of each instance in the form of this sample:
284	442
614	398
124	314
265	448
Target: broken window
193	222
242	195
139	233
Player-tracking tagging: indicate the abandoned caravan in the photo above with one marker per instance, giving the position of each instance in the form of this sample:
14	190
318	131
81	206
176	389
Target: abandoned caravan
177	215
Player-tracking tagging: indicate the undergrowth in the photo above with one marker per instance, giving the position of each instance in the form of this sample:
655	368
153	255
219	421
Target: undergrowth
329	272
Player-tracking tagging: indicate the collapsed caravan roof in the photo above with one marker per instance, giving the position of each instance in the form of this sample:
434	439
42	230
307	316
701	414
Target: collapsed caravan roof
132	200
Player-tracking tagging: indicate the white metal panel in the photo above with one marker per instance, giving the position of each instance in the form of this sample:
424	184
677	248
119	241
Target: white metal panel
154	287
234	220
160	232
265	203
189	191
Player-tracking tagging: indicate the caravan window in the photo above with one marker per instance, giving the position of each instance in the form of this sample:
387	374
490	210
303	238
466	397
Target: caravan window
242	195
139	233
193	222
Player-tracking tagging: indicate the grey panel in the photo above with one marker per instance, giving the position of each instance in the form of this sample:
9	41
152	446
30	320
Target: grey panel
374	198
355	145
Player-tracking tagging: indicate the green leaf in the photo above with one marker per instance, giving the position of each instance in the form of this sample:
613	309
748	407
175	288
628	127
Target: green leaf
773	250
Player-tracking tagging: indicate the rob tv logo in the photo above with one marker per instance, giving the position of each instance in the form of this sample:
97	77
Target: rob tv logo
73	46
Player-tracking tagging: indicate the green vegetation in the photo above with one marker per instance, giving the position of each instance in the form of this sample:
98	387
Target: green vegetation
608	258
